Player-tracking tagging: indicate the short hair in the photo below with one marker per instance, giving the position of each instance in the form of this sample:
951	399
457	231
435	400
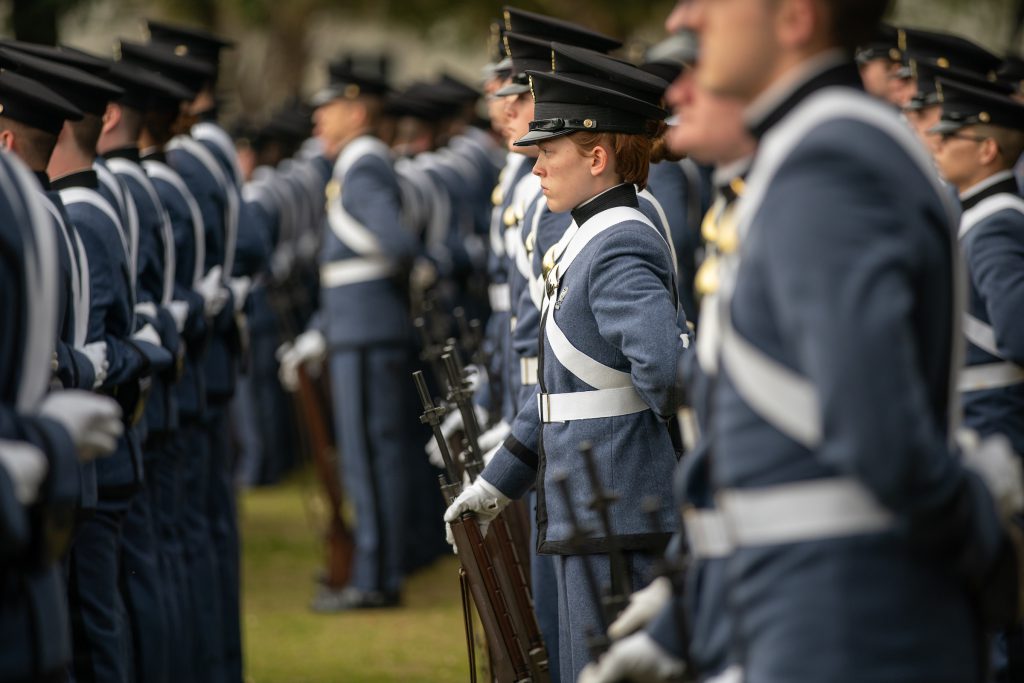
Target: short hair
35	146
86	132
131	120
159	124
1010	142
853	23
631	152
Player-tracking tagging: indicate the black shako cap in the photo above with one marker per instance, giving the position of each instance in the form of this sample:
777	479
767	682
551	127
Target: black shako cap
144	87
564	104
965	105
948	51
32	103
188	41
346	81
549	28
88	93
62	54
927	91
599	69
186	71
885	44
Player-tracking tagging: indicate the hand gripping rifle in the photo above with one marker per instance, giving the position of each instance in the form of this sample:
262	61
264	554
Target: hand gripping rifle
509	559
508	655
618	594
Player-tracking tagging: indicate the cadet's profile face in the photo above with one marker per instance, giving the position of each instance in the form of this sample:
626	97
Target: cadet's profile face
901	90
335	122
566	176
960	157
875	74
922	120
518	114
739	45
495	105
710	127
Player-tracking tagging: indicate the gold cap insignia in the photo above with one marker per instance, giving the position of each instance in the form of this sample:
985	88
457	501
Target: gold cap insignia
942	62
895	55
181	50
351	91
589	123
984	117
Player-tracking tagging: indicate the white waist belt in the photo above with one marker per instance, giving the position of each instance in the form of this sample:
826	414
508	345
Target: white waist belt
353	270
803	511
528	371
500	296
589	405
990	376
707	533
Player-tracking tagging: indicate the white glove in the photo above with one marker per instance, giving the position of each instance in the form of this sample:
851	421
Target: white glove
643	606
240	287
212	290
451	424
636	658
96	352
310	347
178	311
148	334
93	422
26	466
480	498
994	461
146	308
423	275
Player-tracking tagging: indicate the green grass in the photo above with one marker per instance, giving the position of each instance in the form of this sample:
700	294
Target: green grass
286	643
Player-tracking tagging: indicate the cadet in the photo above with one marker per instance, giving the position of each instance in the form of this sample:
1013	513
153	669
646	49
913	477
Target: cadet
366	255
710	130
980	136
206	296
43	436
832	402
605	377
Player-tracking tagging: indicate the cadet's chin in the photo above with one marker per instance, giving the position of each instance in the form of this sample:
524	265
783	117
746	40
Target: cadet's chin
555	203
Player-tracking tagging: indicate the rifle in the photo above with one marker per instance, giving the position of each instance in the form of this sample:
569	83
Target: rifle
508	656
318	440
509	559
597	642
617	596
340	545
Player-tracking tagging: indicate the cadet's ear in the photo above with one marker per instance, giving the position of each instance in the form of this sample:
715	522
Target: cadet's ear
111	117
988	151
599	159
6	140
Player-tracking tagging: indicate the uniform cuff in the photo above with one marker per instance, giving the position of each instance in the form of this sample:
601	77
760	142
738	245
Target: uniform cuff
509	474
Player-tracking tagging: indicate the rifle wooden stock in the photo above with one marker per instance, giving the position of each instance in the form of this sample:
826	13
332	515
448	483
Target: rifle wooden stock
509	654
339	545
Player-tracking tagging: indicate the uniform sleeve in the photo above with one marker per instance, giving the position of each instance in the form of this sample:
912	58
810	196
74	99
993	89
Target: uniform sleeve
843	289
125	361
995	259
636	313
513	469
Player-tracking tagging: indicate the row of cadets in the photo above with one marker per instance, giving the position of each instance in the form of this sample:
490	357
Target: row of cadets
237	246
46	433
611	328
109	550
289	190
978	139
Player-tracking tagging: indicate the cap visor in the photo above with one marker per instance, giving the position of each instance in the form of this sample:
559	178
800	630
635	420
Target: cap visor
535	136
512	89
324	96
945	127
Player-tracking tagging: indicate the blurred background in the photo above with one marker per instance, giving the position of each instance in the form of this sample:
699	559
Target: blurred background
282	45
